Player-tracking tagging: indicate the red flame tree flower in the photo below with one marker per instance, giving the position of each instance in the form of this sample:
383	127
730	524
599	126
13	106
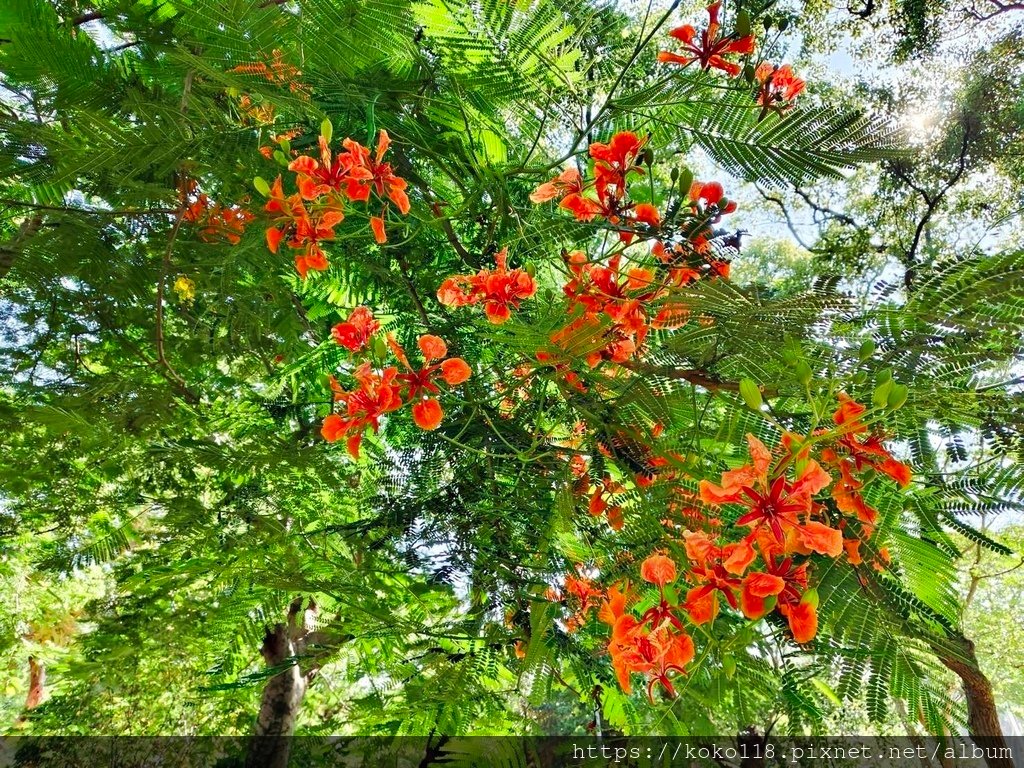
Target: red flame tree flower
325	183
500	290
710	47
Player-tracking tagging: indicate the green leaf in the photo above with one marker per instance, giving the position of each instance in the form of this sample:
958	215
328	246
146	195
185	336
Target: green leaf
751	394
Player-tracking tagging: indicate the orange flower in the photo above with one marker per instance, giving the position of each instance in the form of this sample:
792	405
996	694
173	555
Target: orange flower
566	183
419	385
355	333
328	175
710	48
613	606
334	428
375	396
352	174
647	214
782	579
865	451
658	569
304	230
779	87
308	233
215	221
712	578
659	653
803	621
773	502
274	237
277	71
427	414
852	547
613	163
600	505
581	598
455	371
706	197
820	538
620	296
432	347
369	173
500	289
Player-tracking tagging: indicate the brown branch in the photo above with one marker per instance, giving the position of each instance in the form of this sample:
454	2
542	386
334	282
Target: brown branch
122	46
301	310
161	286
90	211
932	203
789	221
824	210
695	376
404	267
9	251
1000	8
446	226
86	17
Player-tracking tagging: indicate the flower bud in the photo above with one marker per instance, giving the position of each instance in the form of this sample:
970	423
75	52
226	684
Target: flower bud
751	394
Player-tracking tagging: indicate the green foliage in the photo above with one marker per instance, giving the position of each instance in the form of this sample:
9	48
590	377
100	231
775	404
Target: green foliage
163	448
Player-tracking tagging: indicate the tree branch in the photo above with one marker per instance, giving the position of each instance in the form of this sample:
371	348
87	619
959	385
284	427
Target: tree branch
932	203
693	375
789	221
86	17
161	284
1000	8
90	211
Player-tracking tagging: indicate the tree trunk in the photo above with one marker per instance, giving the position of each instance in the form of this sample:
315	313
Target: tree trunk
36	683
36	687
982	717
270	744
9	251
752	747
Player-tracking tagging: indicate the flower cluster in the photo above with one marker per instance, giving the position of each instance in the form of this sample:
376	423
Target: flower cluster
354	333
655	645
614	163
275	70
580	596
777	88
500	290
621	304
213	220
710	48
750	542
307	218
378	393
855	451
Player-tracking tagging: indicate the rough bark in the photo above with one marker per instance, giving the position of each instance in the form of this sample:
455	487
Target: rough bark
10	250
36	683
283	645
36	688
982	717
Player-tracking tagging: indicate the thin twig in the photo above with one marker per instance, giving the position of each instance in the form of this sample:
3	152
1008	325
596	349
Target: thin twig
90	211
161	286
404	266
693	375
